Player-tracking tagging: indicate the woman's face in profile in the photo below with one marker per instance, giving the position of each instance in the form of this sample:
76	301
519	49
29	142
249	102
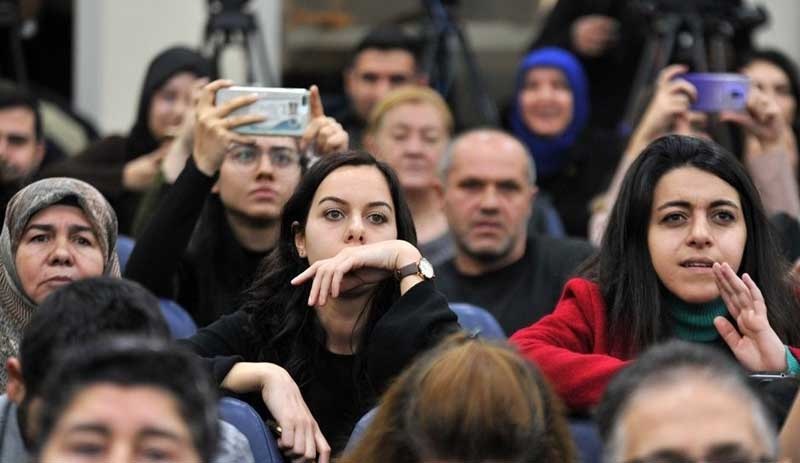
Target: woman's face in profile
696	220
546	101
168	105
351	207
57	247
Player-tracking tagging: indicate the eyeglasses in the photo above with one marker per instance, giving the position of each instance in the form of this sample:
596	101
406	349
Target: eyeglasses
247	156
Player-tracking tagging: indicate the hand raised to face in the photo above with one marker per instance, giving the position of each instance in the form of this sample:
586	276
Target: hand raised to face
752	340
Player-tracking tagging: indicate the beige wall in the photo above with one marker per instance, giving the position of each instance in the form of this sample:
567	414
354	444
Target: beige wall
783	32
116	39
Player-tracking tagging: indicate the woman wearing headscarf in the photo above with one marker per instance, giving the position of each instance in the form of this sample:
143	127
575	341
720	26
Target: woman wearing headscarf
123	167
56	230
549	115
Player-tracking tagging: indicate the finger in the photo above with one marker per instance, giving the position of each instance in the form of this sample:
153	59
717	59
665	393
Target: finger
315	102
337	277
683	86
336	283
304	276
209	92
311	449
311	131
728	332
324	135
301	433
236	121
324	285
323	449
669	73
313	293
235	103
742	294
725	290
287	437
755	293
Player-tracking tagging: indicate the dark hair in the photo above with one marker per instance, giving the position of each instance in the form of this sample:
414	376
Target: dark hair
132	362
82	312
283	322
667	365
386	37
788	67
633	293
16	97
467	400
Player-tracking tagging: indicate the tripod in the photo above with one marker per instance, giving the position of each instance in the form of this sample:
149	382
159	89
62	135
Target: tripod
680	36
229	24
444	38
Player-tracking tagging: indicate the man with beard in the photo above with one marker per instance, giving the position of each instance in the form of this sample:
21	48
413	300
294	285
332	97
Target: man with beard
490	185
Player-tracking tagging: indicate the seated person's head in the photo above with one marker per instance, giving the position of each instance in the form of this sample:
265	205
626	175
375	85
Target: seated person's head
467	400
347	199
684	402
255	181
489	186
127	400
385	58
552	97
56	231
409	129
73	315
775	74
684	204
326	213
21	139
166	96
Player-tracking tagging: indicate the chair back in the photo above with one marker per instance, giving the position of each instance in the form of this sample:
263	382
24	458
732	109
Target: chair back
248	422
181	325
477	320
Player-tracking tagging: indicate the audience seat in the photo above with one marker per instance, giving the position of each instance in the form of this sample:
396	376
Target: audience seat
181	325
587	440
478	321
124	249
262	443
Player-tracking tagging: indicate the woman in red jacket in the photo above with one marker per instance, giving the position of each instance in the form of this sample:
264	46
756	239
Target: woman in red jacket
688	253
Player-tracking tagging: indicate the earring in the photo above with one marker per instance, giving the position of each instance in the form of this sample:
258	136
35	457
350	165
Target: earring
301	253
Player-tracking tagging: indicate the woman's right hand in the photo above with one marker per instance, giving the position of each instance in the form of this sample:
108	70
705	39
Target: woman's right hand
212	133
671	100
301	439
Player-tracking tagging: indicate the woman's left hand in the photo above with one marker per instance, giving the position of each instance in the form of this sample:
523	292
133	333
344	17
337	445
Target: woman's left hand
355	266
323	132
755	343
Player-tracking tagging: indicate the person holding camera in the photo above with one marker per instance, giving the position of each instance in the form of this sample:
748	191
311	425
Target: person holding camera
669	111
220	217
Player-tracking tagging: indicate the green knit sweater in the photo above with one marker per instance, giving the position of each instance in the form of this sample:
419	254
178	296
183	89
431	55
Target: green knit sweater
695	323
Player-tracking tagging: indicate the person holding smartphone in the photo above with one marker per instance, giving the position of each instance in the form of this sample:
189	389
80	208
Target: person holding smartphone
220	218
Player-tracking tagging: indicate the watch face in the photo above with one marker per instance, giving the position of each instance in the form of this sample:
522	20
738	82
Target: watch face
425	268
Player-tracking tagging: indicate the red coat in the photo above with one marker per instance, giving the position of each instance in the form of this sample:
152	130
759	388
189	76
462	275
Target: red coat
571	348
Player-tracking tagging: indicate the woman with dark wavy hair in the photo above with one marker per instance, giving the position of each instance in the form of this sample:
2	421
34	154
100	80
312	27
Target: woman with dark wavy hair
688	253
339	307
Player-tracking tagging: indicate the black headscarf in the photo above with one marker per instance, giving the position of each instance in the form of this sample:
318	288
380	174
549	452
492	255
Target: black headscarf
165	65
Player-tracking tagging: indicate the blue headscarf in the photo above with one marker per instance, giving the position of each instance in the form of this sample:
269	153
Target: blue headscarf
549	152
